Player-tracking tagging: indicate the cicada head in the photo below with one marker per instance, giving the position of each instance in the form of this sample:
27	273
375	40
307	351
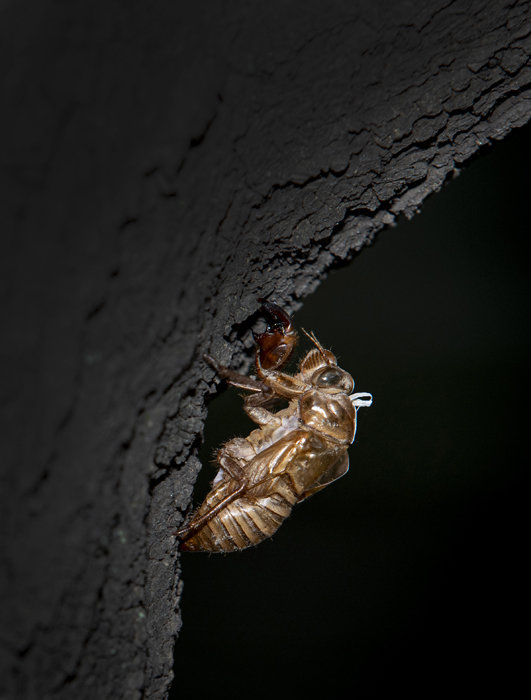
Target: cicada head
315	360
319	368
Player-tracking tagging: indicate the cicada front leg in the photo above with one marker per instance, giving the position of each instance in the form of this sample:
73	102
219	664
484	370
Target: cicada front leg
260	395
240	381
277	343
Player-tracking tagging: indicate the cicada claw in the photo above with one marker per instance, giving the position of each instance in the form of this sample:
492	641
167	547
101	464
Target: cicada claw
277	343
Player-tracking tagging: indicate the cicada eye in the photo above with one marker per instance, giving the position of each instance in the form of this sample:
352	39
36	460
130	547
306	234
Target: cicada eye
333	378
328	377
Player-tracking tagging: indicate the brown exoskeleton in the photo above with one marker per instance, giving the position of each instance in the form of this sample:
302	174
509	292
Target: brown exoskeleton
295	452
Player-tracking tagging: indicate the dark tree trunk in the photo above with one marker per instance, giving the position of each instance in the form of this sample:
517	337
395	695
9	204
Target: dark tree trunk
163	169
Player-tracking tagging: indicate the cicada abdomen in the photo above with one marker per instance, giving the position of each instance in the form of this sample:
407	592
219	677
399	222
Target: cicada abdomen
245	521
244	510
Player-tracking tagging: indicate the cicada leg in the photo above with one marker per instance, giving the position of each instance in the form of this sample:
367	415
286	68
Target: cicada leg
261	393
235	378
276	344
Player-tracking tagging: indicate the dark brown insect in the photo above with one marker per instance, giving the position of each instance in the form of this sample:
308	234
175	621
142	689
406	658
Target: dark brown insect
295	452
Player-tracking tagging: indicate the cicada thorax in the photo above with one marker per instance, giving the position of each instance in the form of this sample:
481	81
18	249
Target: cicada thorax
311	456
330	416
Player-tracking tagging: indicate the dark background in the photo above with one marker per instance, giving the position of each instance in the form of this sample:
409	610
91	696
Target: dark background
407	574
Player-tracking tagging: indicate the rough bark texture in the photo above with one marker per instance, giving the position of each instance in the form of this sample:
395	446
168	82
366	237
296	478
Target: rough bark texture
164	169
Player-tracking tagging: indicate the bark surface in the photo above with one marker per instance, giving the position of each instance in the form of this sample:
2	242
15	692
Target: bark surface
164	167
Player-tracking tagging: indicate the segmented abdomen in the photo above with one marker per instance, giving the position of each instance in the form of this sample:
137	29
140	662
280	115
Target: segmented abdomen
245	522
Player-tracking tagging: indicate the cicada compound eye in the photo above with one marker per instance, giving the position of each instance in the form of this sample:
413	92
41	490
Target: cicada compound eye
333	378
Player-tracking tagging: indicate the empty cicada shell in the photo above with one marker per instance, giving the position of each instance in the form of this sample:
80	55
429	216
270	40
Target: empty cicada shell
294	453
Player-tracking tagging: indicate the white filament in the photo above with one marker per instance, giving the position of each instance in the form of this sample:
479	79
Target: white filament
361	400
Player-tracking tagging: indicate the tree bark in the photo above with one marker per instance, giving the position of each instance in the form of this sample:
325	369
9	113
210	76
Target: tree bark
164	168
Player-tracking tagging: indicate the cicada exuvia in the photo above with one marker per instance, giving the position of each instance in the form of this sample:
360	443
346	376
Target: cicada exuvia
295	452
